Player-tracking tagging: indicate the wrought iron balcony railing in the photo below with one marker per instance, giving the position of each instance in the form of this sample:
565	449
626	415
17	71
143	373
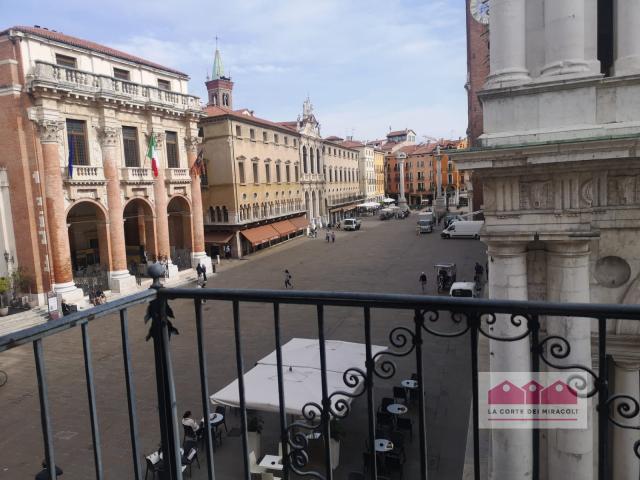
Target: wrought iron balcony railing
443	317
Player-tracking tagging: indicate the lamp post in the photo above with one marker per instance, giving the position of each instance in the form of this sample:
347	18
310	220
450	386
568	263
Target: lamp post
402	201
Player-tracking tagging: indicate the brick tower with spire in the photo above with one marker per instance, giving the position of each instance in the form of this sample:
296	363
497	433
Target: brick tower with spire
219	87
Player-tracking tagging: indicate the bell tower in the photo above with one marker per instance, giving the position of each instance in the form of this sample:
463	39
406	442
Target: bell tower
219	87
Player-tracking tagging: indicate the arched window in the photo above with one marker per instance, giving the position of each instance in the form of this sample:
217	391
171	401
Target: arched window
304	159
225	99
218	214
311	159
211	215
214	99
318	160
225	215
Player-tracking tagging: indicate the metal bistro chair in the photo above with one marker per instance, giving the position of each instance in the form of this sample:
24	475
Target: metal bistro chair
191	456
221	409
189	433
405	425
154	468
399	393
386	401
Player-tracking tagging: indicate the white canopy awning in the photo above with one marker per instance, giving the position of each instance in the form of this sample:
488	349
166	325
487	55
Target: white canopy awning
301	374
388	200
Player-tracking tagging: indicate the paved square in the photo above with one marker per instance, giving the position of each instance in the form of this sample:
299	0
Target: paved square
382	257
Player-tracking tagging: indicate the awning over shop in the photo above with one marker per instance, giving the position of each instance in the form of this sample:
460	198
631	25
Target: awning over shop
299	222
259	235
217	237
284	227
337	209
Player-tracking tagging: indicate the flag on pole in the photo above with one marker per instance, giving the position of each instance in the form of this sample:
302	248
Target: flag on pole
198	166
152	153
71	154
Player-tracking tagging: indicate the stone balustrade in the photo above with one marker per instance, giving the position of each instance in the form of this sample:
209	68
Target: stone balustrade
177	175
136	175
50	75
84	174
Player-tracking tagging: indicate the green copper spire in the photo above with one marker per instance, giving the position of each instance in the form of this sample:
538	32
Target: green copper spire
218	68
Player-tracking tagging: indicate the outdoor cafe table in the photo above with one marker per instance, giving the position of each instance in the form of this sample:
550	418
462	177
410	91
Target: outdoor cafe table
272	462
411	384
214	419
382	445
397	409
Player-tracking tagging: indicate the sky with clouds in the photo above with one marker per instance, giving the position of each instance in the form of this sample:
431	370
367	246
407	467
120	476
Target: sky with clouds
367	64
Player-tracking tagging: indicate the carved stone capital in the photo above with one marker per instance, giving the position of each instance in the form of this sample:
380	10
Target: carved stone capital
192	144
49	130
108	136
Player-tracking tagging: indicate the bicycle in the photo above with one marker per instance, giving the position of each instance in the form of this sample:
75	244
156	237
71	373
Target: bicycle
4	378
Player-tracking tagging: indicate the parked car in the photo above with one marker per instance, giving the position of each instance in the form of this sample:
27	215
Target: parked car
468	229
351	224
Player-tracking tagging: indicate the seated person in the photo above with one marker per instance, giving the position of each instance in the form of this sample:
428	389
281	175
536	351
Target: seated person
44	474
187	421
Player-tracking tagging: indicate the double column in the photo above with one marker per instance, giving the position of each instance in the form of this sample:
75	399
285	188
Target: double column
512	455
198	255
120	280
507	43
401	157
627	40
161	200
570	452
60	261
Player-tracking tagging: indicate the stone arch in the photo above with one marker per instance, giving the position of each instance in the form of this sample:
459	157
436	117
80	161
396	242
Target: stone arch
89	244
139	232
180	237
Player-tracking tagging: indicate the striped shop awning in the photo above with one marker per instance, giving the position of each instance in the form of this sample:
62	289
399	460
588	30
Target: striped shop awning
260	235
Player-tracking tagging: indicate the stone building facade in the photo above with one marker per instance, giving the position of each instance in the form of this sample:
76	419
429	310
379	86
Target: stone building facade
342	188
378	166
77	118
559	164
252	195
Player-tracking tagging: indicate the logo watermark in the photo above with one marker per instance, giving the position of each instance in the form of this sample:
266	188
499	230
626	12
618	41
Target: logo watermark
533	400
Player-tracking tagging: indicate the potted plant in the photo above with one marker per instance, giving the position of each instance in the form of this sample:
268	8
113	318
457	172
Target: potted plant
5	284
336	433
255	424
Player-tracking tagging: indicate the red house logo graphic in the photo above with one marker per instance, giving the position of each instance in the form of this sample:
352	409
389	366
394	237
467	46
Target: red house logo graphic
506	393
559	393
532	392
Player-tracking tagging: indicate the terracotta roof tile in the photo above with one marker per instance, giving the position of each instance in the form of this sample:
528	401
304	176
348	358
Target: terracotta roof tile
399	132
215	111
96	47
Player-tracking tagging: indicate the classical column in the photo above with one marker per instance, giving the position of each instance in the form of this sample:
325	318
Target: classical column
511	455
565	37
402	201
198	255
627	40
120	280
56	219
570	452
507	46
161	200
625	463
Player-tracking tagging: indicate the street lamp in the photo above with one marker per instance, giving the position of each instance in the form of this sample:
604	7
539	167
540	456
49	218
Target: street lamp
402	201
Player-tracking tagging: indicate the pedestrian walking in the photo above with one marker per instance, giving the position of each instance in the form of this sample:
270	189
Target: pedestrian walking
287	279
423	281
333	237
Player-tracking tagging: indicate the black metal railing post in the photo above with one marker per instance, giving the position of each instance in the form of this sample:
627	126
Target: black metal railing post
325	415
131	401
534	327
417	339
170	446
43	396
284	436
371	414
474	321
241	392
603	397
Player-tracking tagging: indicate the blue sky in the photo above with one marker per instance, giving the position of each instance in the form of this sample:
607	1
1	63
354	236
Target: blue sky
367	64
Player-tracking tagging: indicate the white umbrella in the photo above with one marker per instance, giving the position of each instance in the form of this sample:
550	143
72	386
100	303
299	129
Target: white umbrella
388	200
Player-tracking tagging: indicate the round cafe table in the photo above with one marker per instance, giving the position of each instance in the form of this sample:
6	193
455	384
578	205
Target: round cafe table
410	384
214	419
397	409
382	445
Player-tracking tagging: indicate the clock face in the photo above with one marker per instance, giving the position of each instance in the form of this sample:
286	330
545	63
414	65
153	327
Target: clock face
480	10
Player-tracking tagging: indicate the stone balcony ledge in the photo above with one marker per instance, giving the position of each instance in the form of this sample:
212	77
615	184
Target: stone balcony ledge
84	175
177	175
50	76
136	175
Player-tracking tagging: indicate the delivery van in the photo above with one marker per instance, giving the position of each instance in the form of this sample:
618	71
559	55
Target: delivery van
351	224
426	221
463	229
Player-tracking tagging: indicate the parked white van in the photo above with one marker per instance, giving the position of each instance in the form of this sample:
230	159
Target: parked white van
351	224
463	289
468	229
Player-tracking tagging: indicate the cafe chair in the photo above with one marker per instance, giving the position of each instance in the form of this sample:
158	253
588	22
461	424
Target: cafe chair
405	425
399	393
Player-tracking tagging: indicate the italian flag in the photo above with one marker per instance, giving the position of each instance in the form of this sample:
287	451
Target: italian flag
152	153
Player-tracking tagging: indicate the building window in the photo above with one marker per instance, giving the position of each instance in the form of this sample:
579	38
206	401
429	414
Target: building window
278	175
276	139
225	99
238	131
252	134
77	137
121	74
288	173
286	140
267	171
130	143
256	177
297	172
172	150
164	84
264	137
295	142
65	61
304	159
241	172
